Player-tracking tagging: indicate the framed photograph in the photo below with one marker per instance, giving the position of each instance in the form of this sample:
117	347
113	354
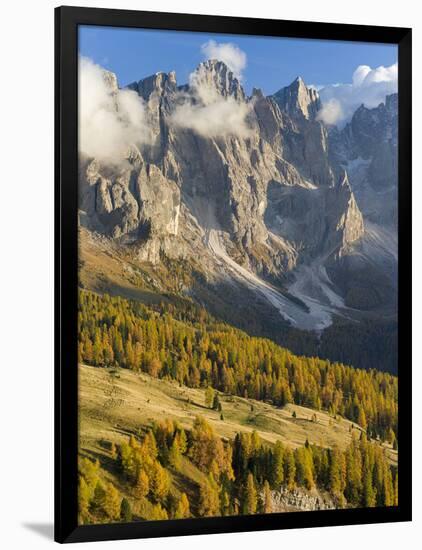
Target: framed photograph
233	274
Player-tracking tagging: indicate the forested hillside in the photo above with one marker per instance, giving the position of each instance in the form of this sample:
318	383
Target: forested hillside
171	473
187	345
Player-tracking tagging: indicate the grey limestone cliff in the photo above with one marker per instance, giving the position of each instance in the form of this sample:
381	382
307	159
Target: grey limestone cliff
257	206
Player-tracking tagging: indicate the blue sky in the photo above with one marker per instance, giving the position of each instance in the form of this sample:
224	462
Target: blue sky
271	62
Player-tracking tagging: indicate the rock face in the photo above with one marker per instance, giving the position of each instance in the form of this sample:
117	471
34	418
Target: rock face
159	84
298	101
317	221
138	203
300	500
368	149
278	199
216	75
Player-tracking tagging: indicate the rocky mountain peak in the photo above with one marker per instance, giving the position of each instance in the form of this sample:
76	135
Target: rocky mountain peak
158	83
216	75
371	127
110	80
299	101
257	93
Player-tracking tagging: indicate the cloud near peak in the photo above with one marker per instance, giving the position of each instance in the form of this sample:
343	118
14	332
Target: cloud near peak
206	111
110	119
228	53
369	87
219	118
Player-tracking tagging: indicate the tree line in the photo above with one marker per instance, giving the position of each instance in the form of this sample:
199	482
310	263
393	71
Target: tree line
187	345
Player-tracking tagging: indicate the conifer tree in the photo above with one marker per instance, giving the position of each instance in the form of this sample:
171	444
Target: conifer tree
224	501
183	509
216	405
369	493
336	476
353	472
277	477
304	467
142	483
99	496
267	498
174	454
125	511
88	351
159	482
84	497
388	487
361	420
112	502
150	444
209	502
182	441
289	469
251	497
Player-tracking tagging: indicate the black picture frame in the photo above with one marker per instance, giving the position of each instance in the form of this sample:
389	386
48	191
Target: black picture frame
67	20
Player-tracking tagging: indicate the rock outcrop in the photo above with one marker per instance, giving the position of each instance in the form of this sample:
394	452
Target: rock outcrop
317	221
300	500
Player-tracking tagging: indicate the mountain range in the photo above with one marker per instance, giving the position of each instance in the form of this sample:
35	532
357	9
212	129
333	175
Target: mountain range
254	208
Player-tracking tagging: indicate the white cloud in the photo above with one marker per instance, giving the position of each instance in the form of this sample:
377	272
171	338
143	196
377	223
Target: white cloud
218	119
369	86
331	112
360	74
229	53
110	119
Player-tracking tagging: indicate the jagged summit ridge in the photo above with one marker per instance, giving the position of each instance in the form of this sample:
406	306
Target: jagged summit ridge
212	74
216	75
367	147
298	100
159	83
259	206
